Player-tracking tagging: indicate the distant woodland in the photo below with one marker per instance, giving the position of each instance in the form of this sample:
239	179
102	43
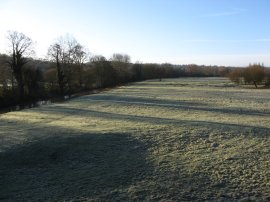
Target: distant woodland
70	69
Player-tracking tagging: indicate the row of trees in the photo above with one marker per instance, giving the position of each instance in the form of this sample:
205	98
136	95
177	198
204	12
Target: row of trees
255	74
69	68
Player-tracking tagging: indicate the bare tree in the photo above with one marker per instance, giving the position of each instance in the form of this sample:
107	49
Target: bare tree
80	56
105	73
55	53
21	50
122	58
121	63
67	53
67	44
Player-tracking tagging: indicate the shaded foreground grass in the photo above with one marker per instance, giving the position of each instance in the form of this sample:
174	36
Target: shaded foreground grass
179	139
73	167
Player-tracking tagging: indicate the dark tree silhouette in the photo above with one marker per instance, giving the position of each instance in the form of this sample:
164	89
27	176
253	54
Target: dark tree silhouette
105	73
32	78
137	71
21	50
69	57
55	53
80	56
121	63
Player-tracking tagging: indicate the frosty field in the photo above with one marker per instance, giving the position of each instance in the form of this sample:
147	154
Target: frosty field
178	139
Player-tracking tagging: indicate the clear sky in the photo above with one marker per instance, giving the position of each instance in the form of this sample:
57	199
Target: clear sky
222	32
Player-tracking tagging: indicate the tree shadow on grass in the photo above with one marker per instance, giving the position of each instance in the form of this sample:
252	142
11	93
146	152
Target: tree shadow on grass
94	166
170	104
72	111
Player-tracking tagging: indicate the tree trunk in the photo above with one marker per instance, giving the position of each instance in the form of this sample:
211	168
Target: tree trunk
21	87
60	76
255	84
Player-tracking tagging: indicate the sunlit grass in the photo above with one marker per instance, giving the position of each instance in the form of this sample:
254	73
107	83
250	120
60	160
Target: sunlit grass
193	139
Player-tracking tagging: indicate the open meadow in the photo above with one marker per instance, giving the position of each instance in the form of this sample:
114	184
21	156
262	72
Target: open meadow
177	139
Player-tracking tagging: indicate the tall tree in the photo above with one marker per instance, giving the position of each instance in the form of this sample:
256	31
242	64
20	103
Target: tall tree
137	71
105	73
21	50
80	56
67	53
121	63
55	53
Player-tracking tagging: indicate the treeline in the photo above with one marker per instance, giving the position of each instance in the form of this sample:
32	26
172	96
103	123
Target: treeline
255	74
69	68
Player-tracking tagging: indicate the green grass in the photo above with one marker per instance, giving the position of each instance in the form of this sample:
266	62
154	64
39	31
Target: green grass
180	139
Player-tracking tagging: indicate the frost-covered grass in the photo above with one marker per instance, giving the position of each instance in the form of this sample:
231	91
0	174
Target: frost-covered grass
179	139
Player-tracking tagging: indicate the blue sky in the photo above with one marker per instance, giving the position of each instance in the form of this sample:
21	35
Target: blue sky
222	32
